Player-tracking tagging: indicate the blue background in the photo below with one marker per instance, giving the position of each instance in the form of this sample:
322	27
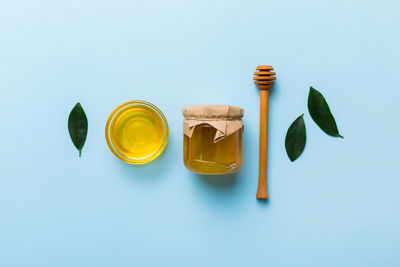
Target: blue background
337	205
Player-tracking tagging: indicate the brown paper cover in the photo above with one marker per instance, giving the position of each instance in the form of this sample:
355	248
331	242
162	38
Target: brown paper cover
225	119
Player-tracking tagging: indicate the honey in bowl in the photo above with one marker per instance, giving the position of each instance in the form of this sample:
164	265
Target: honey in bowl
137	132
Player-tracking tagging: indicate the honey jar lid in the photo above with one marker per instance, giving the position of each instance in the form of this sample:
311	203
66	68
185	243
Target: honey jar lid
214	112
225	119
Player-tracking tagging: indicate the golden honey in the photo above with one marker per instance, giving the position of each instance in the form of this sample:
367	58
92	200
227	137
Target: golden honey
137	132
203	156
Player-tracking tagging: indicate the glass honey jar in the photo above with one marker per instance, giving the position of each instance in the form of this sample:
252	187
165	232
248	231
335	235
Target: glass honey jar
212	139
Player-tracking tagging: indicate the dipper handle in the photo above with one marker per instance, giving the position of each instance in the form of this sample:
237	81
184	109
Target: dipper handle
262	191
264	79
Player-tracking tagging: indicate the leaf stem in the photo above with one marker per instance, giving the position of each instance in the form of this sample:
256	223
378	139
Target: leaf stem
80	152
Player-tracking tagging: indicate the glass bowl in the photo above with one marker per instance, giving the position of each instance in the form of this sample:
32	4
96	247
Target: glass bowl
137	132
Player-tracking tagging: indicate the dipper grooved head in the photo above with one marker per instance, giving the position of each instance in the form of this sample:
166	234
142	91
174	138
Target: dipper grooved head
264	78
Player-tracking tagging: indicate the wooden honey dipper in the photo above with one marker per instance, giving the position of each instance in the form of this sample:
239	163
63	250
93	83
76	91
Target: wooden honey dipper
264	79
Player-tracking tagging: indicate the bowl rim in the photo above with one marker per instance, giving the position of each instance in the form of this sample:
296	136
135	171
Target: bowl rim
114	114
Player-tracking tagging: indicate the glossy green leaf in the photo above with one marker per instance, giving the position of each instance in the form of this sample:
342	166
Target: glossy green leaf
321	113
295	140
78	126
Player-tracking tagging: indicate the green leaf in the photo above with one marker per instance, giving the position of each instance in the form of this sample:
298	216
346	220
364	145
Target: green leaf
321	114
78	127
295	140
